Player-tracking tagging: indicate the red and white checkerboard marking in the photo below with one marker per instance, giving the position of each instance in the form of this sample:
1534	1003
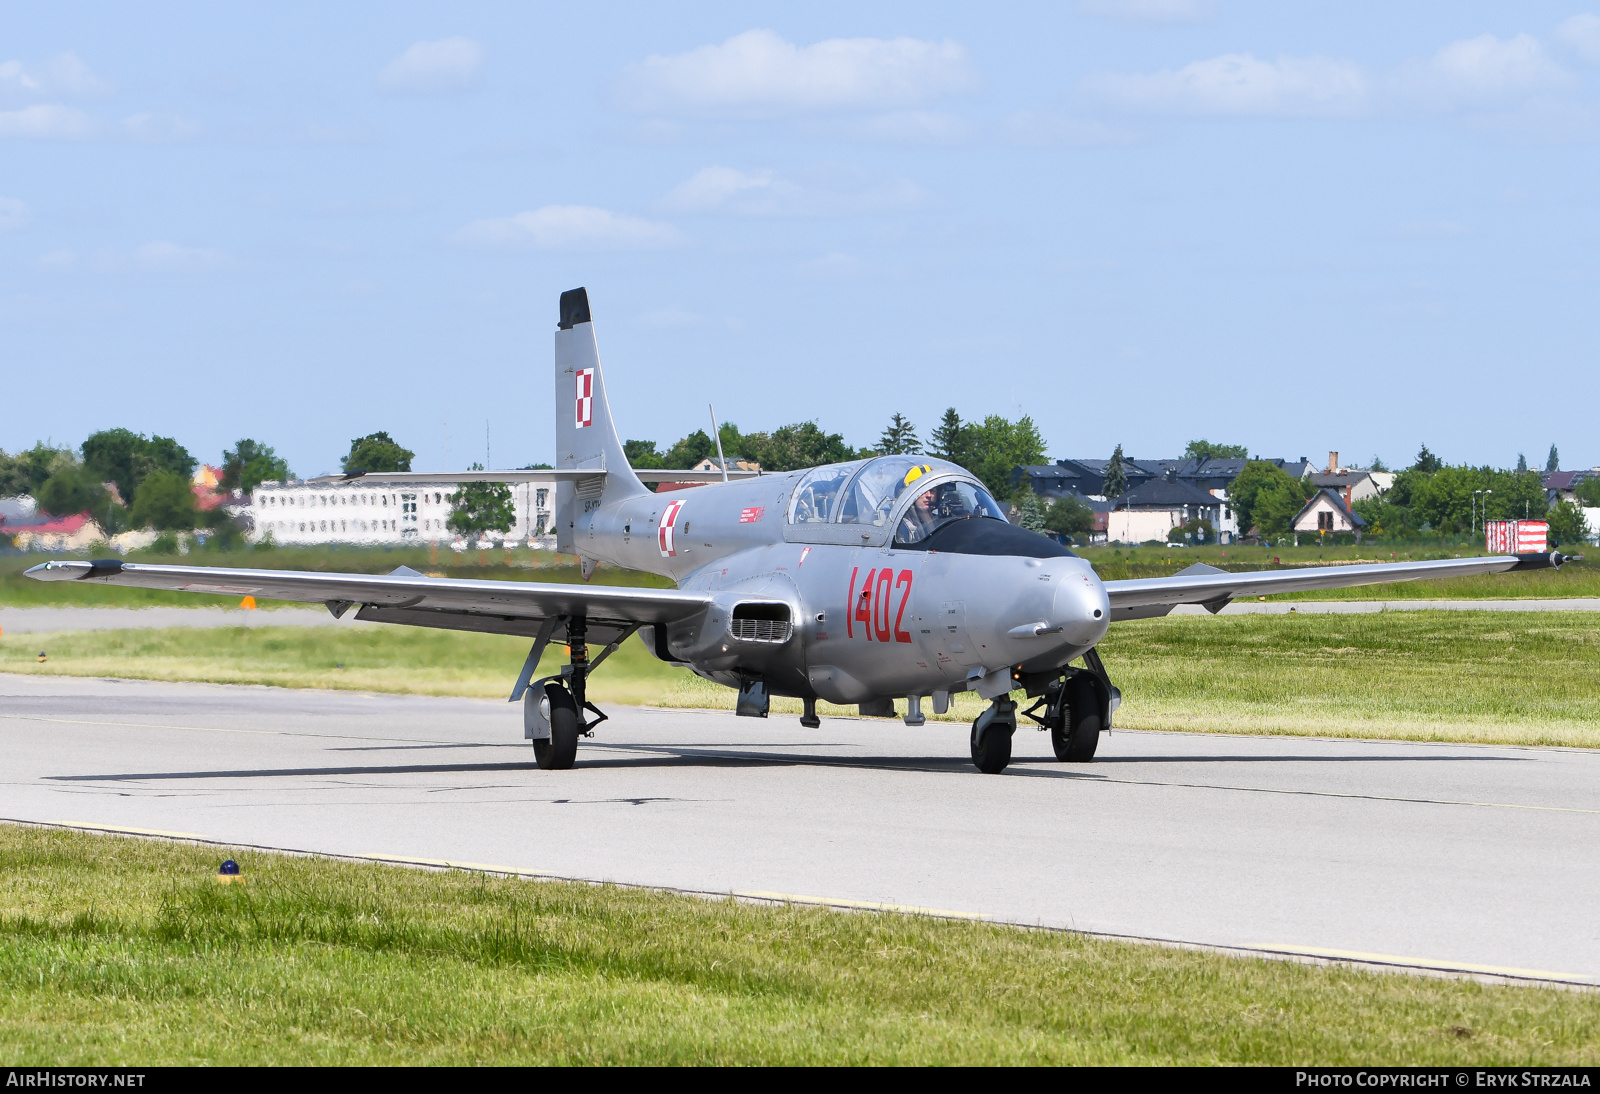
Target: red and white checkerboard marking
585	397
669	517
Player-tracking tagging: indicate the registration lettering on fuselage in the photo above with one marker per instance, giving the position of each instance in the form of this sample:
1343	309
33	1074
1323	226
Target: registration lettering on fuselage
877	608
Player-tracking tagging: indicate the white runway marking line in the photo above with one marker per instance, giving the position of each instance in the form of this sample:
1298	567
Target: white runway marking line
860	905
1420	962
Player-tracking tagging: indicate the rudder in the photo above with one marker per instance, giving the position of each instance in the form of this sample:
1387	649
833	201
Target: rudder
586	437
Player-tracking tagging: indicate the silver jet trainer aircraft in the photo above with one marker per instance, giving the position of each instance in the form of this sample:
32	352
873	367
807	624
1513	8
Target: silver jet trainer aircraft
857	583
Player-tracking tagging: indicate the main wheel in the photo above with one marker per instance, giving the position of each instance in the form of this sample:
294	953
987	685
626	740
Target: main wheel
557	753
1077	733
994	753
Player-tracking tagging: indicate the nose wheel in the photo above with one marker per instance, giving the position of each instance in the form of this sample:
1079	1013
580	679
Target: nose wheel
991	736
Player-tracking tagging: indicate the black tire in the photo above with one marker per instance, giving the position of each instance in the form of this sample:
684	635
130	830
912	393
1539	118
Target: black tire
1076	734
992	756
558	753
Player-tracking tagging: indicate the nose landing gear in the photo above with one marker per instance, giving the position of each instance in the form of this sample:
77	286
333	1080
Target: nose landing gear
991	736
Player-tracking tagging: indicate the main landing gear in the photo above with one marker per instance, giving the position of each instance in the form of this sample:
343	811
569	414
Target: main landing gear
1074	706
553	708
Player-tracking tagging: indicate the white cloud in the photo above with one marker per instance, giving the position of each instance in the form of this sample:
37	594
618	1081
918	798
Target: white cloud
569	228
159	128
906	127
167	257
432	68
1239	83
63	75
832	264
757	73
46	121
1151	11
719	189
13	214
1048	130
1483	69
1582	33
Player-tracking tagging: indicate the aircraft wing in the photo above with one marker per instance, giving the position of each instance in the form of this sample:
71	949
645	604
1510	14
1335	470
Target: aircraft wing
412	478
1145	598
405	596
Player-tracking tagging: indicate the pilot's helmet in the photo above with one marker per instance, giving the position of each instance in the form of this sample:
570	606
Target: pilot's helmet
916	472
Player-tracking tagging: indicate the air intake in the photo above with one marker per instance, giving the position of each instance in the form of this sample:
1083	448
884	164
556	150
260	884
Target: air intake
760	623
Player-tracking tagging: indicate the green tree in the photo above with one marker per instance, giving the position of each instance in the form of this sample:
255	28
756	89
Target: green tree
689	451
642	454
951	440
125	458
999	447
1567	524
1205	450
1257	476
26	472
70	491
1069	516
797	446
1116	482
1030	514
377	452
478	507
900	438
1427	463
1377	464
1522	463
249	463
1553	461
165	502
1588	492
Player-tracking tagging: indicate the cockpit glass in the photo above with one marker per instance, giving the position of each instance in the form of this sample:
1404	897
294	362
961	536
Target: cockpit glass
817	496
882	482
947	501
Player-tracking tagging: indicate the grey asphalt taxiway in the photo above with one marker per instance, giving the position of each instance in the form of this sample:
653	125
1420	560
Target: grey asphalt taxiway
1456	857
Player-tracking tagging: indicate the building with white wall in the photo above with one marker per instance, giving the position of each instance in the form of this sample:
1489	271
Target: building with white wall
302	512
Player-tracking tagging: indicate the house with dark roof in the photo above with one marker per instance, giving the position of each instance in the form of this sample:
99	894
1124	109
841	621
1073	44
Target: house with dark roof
1327	513
1088	477
1563	485
1155	507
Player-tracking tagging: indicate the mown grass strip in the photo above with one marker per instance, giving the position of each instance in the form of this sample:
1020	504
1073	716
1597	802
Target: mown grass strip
1484	677
125	951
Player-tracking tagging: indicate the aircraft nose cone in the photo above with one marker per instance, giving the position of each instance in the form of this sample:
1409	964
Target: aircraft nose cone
1081	609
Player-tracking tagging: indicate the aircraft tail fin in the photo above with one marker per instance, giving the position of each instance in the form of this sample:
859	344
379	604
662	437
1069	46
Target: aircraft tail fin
586	438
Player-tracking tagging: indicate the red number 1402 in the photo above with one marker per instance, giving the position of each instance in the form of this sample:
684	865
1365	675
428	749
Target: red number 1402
874	607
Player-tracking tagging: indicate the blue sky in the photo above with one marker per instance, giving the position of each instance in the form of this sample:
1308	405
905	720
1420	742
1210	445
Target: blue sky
1297	227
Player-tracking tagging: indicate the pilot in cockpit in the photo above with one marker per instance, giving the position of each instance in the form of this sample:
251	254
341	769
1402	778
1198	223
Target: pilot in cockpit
920	519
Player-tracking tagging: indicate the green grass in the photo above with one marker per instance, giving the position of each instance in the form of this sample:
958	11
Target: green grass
117	951
1488	677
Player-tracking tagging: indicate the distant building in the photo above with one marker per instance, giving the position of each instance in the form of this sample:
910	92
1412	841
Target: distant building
56	533
1563	485
1087	477
302	512
1352	483
1154	508
1327	513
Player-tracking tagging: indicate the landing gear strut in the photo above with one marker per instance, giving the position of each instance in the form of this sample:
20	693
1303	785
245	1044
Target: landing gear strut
555	717
1076	707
